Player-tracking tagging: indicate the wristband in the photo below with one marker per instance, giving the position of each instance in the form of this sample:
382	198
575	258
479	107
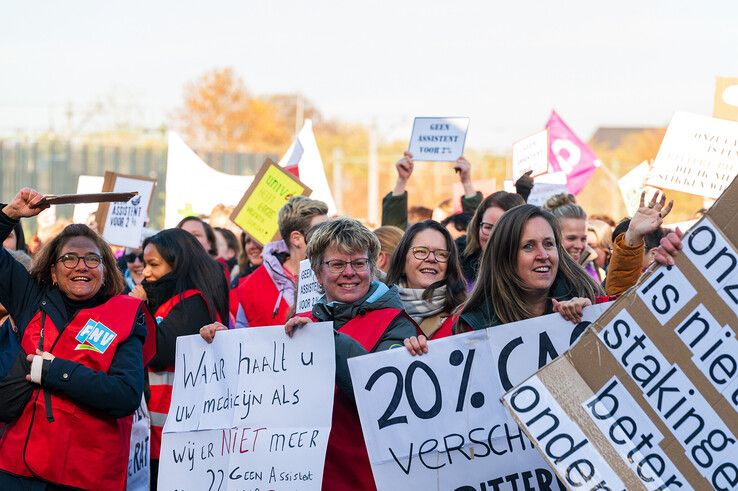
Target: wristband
36	368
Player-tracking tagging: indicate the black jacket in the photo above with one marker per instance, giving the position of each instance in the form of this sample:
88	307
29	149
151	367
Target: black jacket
116	393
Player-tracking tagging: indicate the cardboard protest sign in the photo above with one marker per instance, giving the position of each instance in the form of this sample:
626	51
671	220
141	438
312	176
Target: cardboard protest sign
435	422
633	184
648	397
530	154
308	288
139	455
121	223
546	186
699	155
438	139
252	406
726	98
257	211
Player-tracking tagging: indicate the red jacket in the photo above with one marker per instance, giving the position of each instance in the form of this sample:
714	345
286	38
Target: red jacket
79	448
445	329
262	303
347	466
161	382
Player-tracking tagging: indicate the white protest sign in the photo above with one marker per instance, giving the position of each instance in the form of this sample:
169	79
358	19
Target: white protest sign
308	288
251	410
436	422
438	139
123	223
547	185
699	155
86	185
530	153
632	185
139	455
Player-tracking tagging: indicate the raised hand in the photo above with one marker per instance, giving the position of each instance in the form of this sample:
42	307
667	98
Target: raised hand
23	205
648	218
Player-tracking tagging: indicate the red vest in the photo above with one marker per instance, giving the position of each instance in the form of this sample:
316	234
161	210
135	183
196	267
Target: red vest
258	296
80	448
347	466
445	329
161	382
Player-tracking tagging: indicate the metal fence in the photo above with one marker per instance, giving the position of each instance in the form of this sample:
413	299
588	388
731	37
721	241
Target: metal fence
53	167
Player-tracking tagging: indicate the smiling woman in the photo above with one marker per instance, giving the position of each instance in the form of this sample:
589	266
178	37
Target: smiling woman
86	347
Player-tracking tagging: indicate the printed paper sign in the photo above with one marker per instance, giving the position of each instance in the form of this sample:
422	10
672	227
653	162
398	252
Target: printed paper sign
308	288
251	410
726	98
699	155
438	139
85	185
530	153
633	184
257	212
435	421
546	186
139	457
122	223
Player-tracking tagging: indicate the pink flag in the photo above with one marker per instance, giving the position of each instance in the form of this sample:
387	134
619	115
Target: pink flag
567	153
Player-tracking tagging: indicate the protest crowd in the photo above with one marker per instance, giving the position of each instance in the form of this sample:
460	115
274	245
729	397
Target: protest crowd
89	329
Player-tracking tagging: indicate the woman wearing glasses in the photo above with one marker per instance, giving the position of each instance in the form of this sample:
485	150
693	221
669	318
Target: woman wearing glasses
85	345
185	289
367	316
425	267
480	229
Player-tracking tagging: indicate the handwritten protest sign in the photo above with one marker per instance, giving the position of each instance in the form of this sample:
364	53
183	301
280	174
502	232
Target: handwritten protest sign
438	139
699	155
308	288
648	398
257	211
121	223
726	98
436	421
250	411
530	154
139	456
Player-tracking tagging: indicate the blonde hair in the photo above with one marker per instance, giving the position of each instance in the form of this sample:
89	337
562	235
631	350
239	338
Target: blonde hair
347	235
297	213
603	232
389	236
565	205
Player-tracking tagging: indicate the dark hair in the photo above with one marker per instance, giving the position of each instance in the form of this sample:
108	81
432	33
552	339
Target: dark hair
460	221
230	239
649	241
500	199
193	268
454	280
209	233
498	283
620	228
45	259
20	238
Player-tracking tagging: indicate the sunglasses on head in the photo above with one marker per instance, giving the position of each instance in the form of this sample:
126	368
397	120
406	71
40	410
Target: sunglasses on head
131	257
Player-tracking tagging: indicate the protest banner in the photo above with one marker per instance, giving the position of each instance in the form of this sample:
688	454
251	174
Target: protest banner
86	184
530	154
568	154
121	223
252	410
308	288
193	187
438	139
632	184
699	155
303	161
547	185
648	397
726	98
436	422
139	455
258	209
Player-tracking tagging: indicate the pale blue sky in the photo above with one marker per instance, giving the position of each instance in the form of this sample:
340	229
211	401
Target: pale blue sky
504	64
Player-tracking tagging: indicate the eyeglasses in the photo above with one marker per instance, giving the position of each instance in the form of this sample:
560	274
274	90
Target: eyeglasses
420	253
337	266
70	261
486	227
131	257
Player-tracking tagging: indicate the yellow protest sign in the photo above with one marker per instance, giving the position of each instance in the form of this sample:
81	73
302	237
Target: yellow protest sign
257	211
726	98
